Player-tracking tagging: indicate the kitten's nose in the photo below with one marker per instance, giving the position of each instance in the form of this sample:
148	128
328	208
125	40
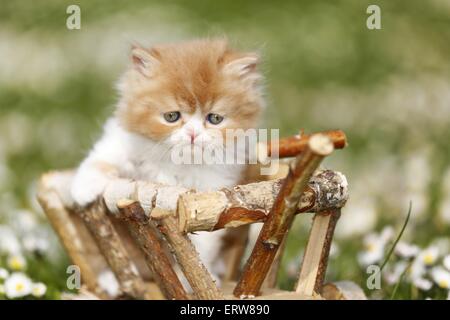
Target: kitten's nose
192	135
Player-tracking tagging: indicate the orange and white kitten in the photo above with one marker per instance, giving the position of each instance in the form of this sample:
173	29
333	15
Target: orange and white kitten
176	95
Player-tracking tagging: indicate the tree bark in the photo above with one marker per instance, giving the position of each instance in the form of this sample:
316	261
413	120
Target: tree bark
250	203
294	145
148	239
60	219
200	280
113	250
272	277
281	216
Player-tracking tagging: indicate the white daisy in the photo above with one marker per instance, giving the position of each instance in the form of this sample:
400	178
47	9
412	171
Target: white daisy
360	218
422	283
9	243
23	221
429	256
16	262
38	289
374	246
372	254
441	277
417	270
3	274
33	243
17	285
387	234
406	250
446	262
417	273
393	276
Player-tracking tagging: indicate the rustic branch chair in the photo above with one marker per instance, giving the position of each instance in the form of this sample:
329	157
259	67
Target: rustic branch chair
159	217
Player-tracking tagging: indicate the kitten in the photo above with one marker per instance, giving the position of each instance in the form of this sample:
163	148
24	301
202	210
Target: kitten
176	95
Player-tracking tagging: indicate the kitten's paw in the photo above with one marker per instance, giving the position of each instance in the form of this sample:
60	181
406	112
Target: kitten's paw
86	191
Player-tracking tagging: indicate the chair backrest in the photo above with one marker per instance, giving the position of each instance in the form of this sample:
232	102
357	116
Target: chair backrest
152	212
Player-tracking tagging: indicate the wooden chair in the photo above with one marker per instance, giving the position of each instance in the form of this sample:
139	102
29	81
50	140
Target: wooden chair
139	229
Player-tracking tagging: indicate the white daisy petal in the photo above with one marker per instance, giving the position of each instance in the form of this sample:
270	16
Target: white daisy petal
406	250
17	285
33	243
39	289
374	246
3	274
417	270
429	256
371	256
387	234
441	277
393	276
9	243
16	262
23	221
446	262
422	284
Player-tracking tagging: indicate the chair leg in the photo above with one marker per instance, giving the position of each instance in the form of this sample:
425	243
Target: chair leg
272	277
148	239
281	216
315	258
114	252
187	256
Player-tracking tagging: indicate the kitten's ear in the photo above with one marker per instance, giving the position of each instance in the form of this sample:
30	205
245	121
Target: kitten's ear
243	67
144	60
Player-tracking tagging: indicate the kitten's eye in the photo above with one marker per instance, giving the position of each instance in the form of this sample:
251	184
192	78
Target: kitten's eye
214	118
172	116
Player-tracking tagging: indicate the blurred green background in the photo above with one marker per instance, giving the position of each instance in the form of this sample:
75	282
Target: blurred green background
388	89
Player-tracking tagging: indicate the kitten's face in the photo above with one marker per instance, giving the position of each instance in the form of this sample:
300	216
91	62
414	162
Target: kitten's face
190	93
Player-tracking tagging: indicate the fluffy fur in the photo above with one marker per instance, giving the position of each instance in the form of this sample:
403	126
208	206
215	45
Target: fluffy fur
195	79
